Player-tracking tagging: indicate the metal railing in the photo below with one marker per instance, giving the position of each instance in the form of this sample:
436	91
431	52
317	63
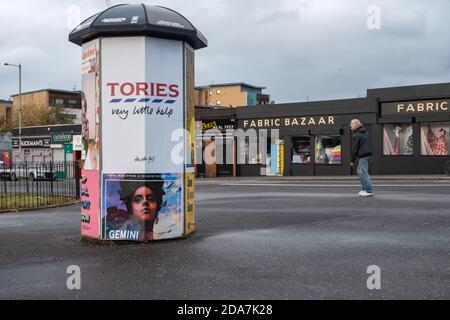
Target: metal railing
28	185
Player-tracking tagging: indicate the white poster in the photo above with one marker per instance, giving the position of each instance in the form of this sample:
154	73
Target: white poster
142	104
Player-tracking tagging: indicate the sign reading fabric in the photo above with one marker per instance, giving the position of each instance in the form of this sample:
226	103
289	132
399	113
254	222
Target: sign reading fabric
305	121
415	107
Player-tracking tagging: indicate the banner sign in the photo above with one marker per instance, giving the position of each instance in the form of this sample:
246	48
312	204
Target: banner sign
416	107
32	143
61	137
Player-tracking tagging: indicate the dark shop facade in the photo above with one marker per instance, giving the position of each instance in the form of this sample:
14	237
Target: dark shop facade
409	128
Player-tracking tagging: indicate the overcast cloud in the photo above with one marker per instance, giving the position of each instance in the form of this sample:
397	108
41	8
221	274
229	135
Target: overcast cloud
321	49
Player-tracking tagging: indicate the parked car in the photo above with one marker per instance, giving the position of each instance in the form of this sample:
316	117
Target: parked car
31	171
6	173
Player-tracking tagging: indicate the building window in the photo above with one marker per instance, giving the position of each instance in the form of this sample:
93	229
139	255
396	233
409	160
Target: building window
301	150
328	150
397	139
218	102
210	93
218	91
56	102
435	138
73	102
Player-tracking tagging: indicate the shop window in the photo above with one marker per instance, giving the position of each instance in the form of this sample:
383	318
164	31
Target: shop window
301	150
328	150
434	139
397	139
251	154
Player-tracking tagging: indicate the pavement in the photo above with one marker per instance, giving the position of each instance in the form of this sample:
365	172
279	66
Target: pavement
256	238
429	177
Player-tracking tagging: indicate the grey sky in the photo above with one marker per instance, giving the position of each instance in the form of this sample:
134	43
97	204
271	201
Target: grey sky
296	48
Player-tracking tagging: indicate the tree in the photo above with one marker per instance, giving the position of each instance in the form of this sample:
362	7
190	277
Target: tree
4	127
40	115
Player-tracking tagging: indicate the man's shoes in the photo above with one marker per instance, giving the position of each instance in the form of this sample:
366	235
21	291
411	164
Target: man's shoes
359	193
366	194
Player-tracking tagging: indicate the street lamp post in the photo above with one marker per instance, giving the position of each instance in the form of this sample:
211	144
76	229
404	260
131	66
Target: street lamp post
20	103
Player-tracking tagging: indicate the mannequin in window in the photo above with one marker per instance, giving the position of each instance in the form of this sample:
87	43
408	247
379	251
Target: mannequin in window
438	143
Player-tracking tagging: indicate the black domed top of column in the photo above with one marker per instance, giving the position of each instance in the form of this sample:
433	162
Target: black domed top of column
139	19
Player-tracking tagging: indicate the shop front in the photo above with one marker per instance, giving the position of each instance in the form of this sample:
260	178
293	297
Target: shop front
215	147
53	143
62	146
415	136
33	149
409	129
309	140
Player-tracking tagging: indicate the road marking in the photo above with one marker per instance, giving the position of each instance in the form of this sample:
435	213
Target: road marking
328	185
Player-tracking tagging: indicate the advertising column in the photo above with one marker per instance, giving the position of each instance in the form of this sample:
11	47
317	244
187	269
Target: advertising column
138	123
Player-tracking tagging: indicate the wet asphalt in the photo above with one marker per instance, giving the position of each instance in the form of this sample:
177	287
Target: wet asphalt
256	238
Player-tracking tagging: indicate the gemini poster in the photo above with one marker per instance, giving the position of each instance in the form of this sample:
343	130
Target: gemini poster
142	206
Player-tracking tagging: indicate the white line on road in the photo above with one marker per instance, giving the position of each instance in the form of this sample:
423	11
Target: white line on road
327	185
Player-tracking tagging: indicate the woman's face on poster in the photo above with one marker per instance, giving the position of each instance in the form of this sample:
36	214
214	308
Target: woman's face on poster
144	204
442	133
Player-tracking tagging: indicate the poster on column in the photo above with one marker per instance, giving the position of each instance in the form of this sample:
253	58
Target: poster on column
142	206
142	104
143	108
189	196
90	104
90	144
90	207
190	107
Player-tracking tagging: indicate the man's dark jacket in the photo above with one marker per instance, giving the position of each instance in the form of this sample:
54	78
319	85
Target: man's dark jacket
361	146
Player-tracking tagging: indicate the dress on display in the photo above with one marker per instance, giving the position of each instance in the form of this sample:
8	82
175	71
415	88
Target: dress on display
408	150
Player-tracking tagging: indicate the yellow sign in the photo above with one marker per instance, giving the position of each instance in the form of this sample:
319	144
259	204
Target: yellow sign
281	158
189	202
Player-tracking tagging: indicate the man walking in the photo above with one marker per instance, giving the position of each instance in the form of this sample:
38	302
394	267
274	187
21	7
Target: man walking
361	148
